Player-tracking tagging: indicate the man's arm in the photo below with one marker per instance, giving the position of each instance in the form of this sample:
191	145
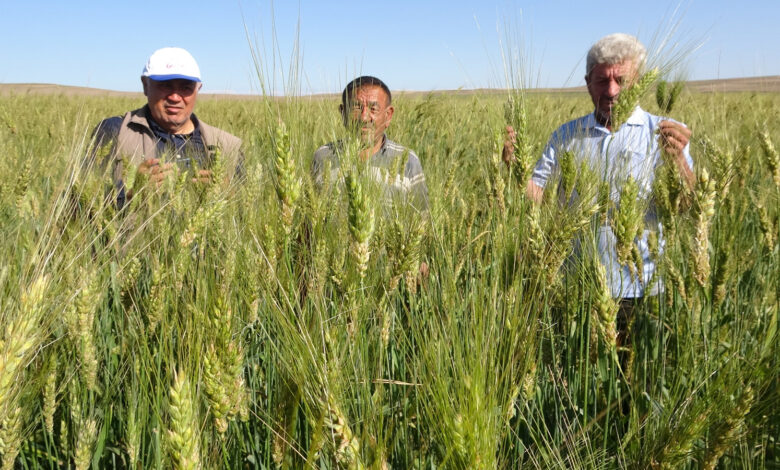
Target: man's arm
418	190
321	155
103	140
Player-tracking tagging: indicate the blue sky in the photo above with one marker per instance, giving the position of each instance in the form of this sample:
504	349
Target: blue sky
412	45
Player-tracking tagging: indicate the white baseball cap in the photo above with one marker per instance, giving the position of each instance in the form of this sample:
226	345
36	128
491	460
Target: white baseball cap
169	63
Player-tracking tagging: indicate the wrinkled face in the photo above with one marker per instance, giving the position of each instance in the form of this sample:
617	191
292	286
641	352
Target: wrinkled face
368	113
171	102
604	84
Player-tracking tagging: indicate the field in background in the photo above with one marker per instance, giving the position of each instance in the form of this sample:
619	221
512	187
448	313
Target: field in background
273	325
769	84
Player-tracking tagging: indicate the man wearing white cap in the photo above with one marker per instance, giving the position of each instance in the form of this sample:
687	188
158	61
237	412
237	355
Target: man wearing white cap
165	134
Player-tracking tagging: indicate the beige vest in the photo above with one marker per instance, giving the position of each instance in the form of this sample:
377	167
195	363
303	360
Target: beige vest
136	142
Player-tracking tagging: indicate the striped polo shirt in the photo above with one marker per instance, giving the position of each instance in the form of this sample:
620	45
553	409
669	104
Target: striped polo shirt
394	166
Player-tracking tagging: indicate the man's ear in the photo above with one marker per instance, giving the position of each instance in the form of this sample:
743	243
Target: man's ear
143	82
390	110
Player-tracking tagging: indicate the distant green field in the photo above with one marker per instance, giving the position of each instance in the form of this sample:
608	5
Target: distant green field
237	326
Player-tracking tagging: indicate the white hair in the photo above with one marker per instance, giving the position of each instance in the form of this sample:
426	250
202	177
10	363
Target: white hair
615	49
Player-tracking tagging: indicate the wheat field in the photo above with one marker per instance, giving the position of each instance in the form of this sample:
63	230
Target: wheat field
272	324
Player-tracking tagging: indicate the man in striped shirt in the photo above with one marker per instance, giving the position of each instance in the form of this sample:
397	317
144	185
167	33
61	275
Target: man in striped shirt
366	108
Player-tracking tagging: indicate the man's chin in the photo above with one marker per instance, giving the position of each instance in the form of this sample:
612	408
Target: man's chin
603	117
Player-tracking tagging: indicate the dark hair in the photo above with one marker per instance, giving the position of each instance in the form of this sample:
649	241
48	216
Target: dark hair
365	80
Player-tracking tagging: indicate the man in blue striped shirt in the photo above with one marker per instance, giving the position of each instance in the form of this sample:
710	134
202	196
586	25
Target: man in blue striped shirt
634	150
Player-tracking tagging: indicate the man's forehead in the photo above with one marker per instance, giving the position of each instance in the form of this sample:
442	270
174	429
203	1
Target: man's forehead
626	67
369	92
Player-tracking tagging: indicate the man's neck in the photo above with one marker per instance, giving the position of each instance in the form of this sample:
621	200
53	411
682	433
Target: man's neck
186	128
369	152
604	121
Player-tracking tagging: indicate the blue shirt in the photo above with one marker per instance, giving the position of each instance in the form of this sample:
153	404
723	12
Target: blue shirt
184	147
632	150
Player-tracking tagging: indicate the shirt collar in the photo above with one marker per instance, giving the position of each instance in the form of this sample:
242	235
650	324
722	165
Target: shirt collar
341	145
634	120
636	117
383	147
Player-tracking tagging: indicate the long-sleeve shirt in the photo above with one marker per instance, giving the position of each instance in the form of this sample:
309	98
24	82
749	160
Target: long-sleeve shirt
401	179
631	151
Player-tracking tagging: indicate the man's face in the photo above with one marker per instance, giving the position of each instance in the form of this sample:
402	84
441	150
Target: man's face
171	102
369	113
604	84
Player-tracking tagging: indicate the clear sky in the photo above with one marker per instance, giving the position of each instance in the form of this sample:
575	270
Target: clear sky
412	45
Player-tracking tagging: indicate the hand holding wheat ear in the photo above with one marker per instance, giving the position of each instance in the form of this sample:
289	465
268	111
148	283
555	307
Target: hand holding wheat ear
673	137
508	153
203	176
156	172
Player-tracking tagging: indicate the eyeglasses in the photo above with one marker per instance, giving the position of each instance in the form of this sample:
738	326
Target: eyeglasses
181	87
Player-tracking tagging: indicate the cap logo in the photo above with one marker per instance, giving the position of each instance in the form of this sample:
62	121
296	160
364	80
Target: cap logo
171	62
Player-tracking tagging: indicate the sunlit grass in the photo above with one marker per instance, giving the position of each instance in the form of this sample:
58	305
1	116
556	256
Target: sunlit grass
255	327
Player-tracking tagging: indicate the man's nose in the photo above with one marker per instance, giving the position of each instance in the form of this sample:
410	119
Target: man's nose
365	113
613	89
174	95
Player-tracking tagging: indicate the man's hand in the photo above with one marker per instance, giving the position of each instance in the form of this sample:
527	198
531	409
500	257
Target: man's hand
156	172
203	176
673	137
508	152
424	270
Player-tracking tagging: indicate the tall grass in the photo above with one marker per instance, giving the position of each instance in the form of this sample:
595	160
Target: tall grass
276	324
